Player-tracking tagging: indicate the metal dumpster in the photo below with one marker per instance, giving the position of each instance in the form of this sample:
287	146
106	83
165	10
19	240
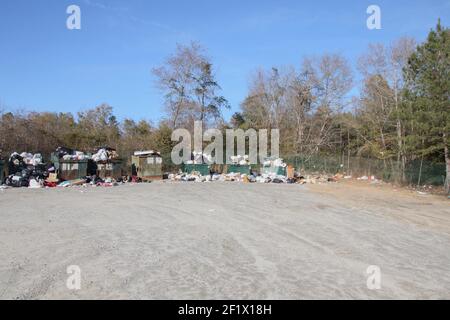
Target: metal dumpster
203	169
72	169
109	169
235	168
2	171
147	167
55	160
279	171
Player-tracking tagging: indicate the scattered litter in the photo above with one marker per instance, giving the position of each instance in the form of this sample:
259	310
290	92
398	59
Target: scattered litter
252	178
71	183
35	184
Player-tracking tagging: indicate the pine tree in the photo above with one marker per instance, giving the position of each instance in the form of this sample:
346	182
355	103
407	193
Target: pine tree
428	75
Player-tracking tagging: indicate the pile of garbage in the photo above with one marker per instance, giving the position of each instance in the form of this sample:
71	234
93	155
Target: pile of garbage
69	154
250	178
200	158
274	162
29	170
26	170
371	179
229	177
102	154
240	160
105	154
92	181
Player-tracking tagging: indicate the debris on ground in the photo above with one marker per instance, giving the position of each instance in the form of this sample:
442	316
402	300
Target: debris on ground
25	168
253	178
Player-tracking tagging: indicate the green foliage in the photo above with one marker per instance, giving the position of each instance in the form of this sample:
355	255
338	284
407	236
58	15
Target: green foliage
428	76
428	95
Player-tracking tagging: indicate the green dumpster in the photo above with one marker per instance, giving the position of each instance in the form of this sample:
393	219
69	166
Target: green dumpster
55	160
73	169
234	168
279	171
203	169
110	169
2	171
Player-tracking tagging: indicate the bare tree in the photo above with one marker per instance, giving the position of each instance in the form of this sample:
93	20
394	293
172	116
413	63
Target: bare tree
327	81
189	85
388	62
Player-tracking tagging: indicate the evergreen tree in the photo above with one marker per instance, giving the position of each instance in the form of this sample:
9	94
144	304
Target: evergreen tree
428	76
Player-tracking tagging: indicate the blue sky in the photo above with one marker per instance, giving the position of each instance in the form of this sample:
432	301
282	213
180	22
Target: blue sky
46	67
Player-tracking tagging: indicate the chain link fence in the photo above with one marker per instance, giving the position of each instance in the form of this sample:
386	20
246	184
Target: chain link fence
416	172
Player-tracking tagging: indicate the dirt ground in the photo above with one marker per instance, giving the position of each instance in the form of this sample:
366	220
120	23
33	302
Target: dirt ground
224	241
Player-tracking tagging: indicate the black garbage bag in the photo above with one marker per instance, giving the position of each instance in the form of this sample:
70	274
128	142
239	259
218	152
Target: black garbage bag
17	181
63	151
91	167
16	164
39	172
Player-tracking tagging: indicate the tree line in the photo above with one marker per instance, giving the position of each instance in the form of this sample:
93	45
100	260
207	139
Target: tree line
400	116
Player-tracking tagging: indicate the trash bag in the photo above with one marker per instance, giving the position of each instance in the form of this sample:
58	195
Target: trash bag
15	163
17	181
101	155
105	154
277	180
35	184
91	168
40	172
63	151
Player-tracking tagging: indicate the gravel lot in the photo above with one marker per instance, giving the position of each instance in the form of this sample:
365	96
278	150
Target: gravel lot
224	241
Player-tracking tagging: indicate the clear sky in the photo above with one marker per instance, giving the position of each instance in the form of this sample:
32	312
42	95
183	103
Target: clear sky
46	67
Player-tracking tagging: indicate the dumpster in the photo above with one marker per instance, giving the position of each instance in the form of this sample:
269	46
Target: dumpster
110	169
279	171
235	168
72	169
54	158
147	165
2	171
203	169
274	166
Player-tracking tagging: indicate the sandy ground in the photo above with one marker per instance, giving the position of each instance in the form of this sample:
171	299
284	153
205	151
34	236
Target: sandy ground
224	241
